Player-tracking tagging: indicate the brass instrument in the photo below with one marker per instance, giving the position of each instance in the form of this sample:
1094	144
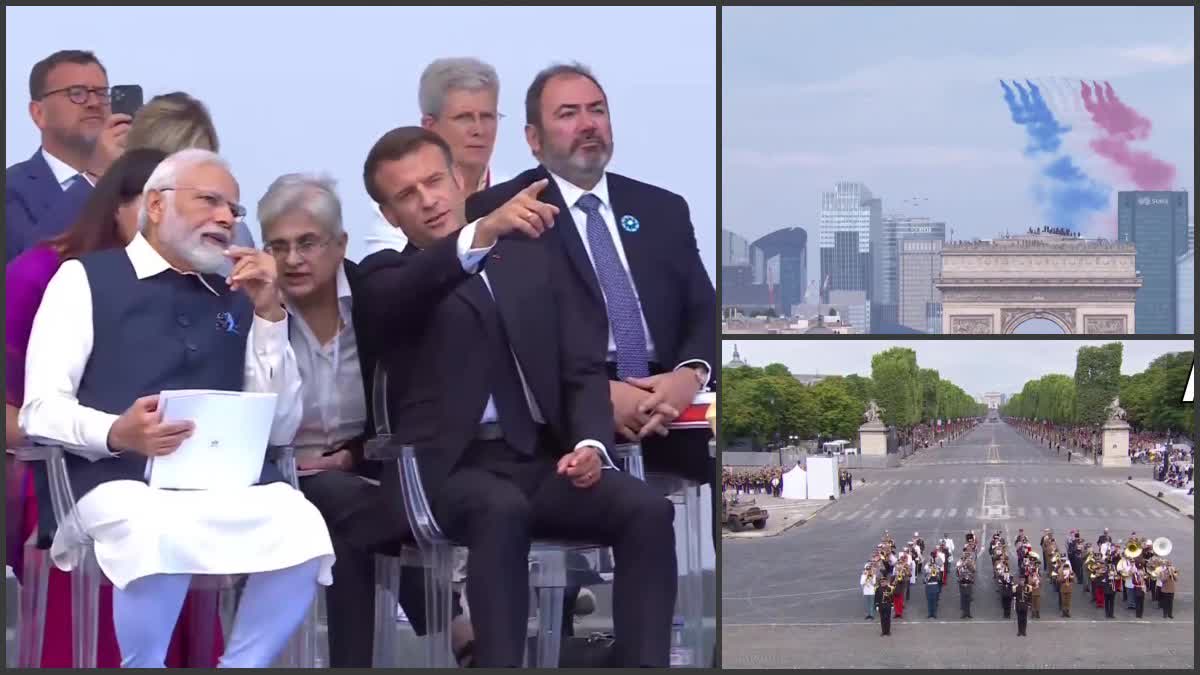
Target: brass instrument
1133	550
1161	547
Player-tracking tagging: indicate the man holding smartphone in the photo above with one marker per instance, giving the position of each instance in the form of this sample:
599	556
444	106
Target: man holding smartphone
80	138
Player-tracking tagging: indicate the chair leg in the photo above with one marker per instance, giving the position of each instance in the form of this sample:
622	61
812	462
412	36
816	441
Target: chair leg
438	611
387	584
32	628
549	639
85	611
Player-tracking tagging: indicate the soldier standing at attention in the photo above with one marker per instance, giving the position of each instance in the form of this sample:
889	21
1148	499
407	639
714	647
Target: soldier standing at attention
1024	594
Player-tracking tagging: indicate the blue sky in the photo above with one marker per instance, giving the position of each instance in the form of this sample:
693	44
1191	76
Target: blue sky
311	89
908	101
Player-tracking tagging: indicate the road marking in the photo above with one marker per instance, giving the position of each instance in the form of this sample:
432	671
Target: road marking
919	513
885	514
970	511
936	513
1086	512
1070	511
1020	511
1137	512
1059	480
1037	512
870	514
1053	511
941	480
1024	480
1172	514
903	512
907	481
853	514
951	512
835	516
1102	511
1155	512
1121	512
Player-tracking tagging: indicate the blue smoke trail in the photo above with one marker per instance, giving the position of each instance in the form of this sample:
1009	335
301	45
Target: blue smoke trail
1067	195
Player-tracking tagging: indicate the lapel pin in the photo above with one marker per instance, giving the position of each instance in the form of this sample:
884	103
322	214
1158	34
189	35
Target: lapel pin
630	224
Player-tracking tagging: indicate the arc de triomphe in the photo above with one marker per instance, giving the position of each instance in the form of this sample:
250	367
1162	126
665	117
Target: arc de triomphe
1084	286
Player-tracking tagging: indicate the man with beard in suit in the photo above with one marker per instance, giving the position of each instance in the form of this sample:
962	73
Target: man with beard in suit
499	386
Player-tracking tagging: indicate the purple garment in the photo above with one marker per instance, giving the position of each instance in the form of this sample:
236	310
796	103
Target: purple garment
26	278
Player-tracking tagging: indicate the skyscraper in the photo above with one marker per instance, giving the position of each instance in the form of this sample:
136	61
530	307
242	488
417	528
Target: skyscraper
849	216
1156	222
885	255
1185	321
920	300
786	251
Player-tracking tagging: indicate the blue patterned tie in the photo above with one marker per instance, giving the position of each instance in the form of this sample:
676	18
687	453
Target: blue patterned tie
624	315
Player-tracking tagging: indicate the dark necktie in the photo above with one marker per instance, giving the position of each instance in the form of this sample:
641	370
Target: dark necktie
624	314
504	384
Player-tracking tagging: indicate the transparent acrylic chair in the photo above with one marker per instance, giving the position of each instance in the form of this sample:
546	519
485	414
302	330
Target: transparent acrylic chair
430	552
87	578
549	570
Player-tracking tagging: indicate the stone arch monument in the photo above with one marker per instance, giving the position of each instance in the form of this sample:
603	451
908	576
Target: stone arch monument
1083	286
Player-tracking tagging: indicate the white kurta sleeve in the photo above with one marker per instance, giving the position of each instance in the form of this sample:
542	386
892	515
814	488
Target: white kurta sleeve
60	345
271	367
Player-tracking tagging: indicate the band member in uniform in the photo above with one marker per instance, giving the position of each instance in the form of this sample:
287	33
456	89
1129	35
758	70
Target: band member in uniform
1166	594
1007	586
966	589
885	593
1048	548
1024	594
1066	586
867	582
1138	578
899	584
1035	582
933	592
1112	578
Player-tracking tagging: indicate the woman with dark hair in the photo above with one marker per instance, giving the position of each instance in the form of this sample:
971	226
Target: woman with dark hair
109	219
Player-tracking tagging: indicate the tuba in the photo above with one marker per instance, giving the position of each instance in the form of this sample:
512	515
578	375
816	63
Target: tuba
1133	550
1162	547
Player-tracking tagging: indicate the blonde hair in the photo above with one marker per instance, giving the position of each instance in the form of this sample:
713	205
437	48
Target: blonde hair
173	122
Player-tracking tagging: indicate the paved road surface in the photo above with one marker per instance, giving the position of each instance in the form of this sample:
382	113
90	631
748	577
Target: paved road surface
793	600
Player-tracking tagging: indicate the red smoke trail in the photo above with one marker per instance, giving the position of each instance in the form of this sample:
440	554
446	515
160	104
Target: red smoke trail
1121	125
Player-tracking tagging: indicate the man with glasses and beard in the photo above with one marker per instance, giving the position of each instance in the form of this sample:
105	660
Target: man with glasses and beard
80	137
178	308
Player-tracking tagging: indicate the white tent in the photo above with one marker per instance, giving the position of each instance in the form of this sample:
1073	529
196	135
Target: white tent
795	484
822	477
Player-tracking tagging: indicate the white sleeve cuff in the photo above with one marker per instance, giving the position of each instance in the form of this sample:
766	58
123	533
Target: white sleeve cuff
605	461
470	257
707	370
269	338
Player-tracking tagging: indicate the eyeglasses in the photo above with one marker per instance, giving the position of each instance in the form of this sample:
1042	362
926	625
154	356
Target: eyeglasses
211	199
486	120
79	93
305	248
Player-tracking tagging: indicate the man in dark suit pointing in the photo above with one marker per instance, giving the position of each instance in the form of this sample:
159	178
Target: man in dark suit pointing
501	387
633	248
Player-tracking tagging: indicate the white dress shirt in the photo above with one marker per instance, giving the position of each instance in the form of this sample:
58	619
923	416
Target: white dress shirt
867	584
571	194
471	259
334	403
60	346
64	173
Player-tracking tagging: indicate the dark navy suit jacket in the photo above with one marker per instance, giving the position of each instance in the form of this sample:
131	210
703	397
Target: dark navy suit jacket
35	206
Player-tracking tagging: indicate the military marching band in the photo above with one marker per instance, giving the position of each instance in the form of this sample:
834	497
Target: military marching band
1136	568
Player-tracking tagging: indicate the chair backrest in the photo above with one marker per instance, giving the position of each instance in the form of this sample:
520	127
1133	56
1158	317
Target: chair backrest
379	407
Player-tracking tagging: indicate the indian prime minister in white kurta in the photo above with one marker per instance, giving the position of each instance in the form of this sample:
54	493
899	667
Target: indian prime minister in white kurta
178	308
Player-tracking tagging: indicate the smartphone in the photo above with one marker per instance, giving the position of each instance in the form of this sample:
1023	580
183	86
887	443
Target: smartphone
126	99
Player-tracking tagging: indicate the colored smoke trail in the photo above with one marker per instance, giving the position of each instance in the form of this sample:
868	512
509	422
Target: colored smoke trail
1067	195
1119	126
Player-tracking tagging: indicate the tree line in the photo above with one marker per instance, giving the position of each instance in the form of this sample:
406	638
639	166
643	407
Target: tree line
1151	398
768	404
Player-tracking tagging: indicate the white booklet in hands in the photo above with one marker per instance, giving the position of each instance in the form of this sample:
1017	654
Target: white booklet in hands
227	446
